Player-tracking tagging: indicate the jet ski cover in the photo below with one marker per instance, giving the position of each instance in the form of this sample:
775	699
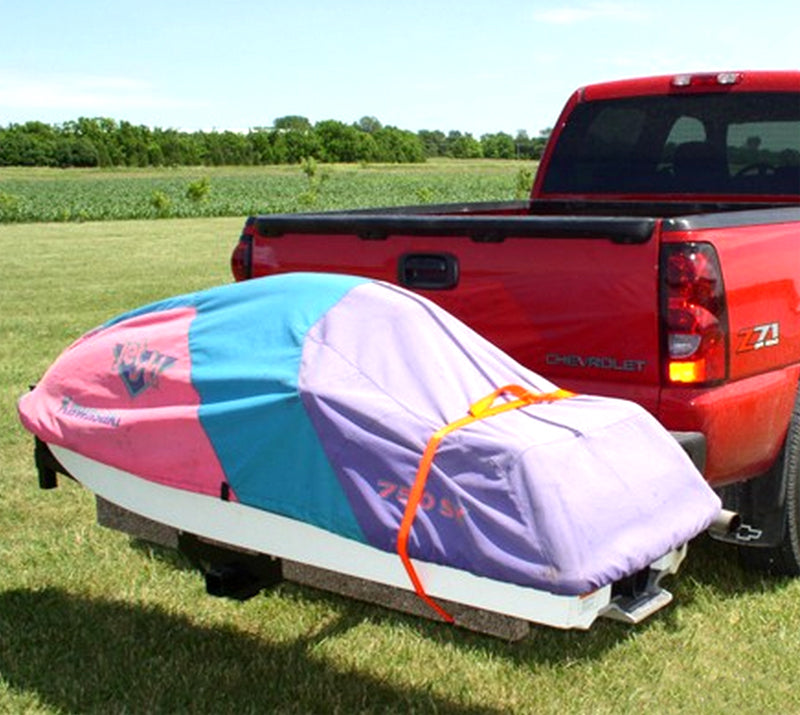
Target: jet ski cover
313	396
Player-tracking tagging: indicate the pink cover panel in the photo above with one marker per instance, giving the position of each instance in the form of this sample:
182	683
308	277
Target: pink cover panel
123	396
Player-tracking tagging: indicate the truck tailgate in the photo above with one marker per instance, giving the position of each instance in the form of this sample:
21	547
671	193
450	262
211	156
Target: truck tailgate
574	298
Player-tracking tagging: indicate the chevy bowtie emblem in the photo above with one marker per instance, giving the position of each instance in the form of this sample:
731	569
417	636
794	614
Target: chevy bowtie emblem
139	366
747	533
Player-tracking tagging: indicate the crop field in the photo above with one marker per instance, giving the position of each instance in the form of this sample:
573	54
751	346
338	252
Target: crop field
28	195
94	622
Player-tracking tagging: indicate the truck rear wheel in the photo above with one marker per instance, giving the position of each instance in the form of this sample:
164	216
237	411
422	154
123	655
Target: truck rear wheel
783	559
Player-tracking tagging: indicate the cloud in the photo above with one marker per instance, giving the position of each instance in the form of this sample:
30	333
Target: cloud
569	15
82	93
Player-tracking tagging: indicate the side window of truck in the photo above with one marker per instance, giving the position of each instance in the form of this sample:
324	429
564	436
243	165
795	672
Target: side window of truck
765	156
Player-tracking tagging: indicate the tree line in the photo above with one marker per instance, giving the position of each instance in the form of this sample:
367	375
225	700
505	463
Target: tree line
104	142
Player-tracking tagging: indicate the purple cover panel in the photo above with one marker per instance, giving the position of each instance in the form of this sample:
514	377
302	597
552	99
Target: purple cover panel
564	496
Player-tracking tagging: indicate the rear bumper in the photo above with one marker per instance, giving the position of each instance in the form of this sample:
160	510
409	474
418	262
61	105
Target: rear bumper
744	422
694	444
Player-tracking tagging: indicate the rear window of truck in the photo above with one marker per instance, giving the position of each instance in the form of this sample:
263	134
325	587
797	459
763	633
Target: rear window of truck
735	143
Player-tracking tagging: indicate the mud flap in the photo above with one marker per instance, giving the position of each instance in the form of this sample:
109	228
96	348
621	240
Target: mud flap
761	505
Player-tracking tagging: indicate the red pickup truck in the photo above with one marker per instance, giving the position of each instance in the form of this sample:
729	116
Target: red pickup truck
658	260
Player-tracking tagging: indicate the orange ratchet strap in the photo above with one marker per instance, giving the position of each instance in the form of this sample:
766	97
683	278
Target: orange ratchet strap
481	410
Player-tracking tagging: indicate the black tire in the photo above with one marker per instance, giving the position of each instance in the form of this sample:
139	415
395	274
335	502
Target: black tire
784	559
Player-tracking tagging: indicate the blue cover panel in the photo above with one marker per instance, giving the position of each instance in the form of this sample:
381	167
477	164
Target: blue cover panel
245	368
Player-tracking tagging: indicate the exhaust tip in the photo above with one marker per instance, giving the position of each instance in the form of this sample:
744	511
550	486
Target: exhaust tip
726	523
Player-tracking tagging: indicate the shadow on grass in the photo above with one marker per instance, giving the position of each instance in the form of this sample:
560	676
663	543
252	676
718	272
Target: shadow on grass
80	655
712	571
711	568
544	645
125	647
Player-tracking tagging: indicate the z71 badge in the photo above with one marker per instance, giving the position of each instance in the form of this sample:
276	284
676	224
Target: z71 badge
759	336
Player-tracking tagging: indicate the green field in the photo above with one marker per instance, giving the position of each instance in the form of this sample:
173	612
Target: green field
92	622
34	195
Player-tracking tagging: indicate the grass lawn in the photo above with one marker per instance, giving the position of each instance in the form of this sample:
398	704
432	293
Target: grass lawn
93	622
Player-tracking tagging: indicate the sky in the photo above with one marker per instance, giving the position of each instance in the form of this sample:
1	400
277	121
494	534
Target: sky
477	67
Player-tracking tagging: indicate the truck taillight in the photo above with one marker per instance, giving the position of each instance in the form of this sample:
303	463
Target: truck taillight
694	314
242	259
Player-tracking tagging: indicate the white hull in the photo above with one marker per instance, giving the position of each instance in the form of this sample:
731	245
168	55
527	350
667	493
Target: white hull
253	529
